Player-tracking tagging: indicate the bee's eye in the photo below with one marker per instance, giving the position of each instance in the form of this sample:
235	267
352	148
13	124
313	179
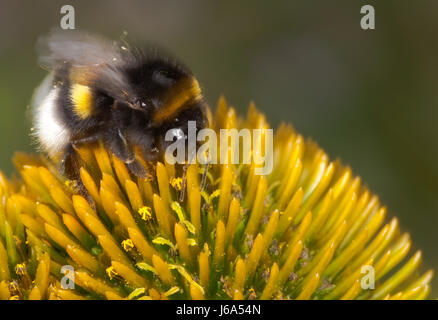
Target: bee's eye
146	104
163	77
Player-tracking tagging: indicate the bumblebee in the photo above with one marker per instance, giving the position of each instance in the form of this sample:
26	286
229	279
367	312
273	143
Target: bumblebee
124	97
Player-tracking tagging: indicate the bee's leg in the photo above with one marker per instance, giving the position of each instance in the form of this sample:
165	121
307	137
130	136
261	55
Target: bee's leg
144	140
137	169
119	145
71	165
86	140
70	168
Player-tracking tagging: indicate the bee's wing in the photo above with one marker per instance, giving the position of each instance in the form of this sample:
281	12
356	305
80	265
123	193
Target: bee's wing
93	61
79	49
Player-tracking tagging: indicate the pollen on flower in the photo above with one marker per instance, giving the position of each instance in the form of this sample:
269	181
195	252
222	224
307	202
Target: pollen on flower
111	272
251	294
13	288
176	183
145	213
127	244
20	269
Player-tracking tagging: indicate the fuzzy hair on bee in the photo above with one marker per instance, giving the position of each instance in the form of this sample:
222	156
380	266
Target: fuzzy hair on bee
98	90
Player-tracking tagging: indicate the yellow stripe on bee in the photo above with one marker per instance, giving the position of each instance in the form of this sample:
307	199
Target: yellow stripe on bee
82	100
182	93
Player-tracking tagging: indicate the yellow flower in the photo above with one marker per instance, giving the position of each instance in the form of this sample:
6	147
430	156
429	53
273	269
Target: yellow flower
308	230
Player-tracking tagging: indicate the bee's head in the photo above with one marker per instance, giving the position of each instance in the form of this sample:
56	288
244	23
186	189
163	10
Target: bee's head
159	84
169	97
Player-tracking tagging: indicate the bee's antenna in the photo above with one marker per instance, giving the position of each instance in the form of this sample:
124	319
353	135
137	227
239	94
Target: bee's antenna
204	176
184	182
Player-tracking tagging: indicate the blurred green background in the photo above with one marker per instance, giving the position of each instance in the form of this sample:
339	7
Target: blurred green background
367	97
